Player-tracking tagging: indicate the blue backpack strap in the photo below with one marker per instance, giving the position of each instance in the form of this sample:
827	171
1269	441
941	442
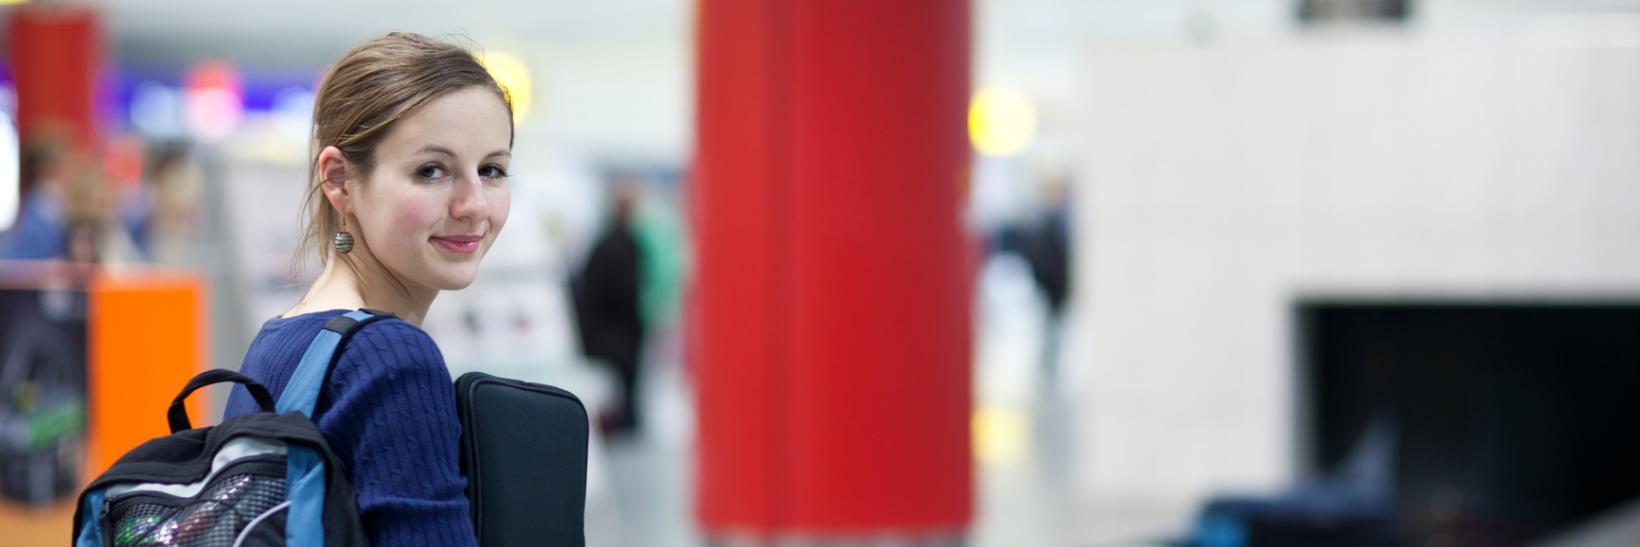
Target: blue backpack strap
90	524
302	392
305	490
305	470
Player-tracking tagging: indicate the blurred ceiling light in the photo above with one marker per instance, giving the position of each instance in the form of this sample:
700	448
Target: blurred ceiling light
213	101
12	2
9	187
509	71
156	110
1001	434
293	113
1001	122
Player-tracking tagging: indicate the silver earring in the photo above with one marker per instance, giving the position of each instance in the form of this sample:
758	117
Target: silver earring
343	239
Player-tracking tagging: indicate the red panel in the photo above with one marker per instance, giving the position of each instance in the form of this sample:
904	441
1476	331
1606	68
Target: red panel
831	342
55	55
739	158
880	305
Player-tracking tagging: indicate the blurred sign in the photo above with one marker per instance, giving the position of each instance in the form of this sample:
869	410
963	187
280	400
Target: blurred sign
1346	11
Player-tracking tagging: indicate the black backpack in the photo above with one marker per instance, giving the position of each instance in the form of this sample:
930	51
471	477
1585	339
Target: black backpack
258	479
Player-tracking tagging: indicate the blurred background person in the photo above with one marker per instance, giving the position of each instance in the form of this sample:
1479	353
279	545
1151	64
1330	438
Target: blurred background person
40	231
608	303
173	190
1045	243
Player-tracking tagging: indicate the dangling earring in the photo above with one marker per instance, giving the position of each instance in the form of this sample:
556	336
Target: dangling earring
343	239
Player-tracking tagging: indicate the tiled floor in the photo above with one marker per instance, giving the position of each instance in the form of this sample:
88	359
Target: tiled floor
1024	423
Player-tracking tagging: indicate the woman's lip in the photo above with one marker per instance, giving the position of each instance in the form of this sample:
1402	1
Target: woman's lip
457	244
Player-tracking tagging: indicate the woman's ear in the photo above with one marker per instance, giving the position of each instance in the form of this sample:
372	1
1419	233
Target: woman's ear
333	175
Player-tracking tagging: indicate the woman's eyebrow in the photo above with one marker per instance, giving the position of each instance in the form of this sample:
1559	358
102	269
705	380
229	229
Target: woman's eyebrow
435	149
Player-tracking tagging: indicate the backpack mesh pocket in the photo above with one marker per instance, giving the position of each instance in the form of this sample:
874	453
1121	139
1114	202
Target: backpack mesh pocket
214	518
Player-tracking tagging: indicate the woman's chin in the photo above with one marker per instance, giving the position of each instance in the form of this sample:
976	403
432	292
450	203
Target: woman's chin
455	283
454	279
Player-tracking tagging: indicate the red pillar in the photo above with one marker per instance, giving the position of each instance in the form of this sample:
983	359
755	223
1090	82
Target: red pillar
55	56
832	330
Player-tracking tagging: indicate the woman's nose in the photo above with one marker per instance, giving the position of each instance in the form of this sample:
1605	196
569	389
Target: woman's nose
468	199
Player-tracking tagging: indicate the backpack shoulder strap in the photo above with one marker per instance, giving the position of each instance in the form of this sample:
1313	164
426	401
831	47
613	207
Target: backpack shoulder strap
302	393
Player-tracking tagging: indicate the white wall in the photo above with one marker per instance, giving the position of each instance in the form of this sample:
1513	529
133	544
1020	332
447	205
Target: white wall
1221	180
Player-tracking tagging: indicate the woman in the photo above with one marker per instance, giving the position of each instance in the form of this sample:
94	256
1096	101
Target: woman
408	189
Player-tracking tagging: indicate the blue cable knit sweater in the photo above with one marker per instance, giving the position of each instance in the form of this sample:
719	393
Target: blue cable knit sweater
389	413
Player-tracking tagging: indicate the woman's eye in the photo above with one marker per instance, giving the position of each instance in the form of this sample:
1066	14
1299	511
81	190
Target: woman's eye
430	172
492	172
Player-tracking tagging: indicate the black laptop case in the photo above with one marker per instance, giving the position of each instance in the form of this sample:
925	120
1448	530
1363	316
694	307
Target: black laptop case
524	451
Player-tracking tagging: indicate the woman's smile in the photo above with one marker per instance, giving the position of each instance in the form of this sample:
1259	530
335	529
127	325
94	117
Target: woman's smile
462	244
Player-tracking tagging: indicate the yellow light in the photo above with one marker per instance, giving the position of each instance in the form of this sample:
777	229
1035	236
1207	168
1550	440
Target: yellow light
1001	122
510	71
1001	434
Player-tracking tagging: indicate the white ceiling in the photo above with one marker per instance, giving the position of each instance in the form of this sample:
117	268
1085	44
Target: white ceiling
617	74
306	33
309	33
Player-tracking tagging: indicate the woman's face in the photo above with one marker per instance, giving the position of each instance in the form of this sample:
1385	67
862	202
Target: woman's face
438	194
